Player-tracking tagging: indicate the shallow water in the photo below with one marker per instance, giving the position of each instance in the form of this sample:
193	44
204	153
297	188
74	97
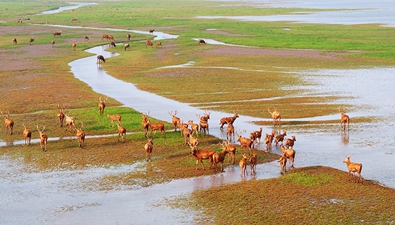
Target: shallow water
73	5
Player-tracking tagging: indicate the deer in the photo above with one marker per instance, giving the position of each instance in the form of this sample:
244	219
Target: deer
280	138
288	153
353	168
193	140
218	158
253	161
245	142
73	45
121	131
148	147
126	46
70	121
268	142
158	44
201	41
145	124
102	105
283	164
14	41
203	122
74	20
174	119
9	123
184	126
31	41
114	117
230	131
151	31
231	149
155	127
43	138
186	132
27	134
80	136
231	120
112	44
344	119
53	43
276	116
149	43
86	38
256	135
289	142
243	166
104	36
128	37
194	127
60	115
57	33
201	155
100	59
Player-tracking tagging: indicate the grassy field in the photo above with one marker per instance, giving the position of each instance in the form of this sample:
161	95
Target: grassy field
35	79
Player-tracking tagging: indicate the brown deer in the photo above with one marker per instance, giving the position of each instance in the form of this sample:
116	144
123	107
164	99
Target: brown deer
289	143
148	147
121	132
288	153
86	38
53	43
128	37
43	138
27	134
225	120
114	117
256	135
353	168
200	155
174	119
126	46
70	121
231	150
102	105
31	41
201	41
230	132
112	44
245	142
74	20
60	115
283	164
280	138
243	166
155	127
80	136
149	43
158	44
268	142
253	161
151	31
15	41
145	124
193	140
276	116
104	36
186	132
9	123
203	122
74	45
100	59
344	119
218	158
57	33
194	127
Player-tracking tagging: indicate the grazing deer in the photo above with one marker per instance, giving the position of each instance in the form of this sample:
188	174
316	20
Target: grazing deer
121	132
74	45
80	136
225	120
243	166
200	155
155	127
27	134
60	115
86	38
149	43
102	105
276	116
174	119
353	168
203	122
128	37
145	124
110	37
194	127
104	36
115	117
31	41
100	59
280	138
158	44
231	150
344	119
43	138
288	153
201	41
289	143
15	41
112	44
253	161
126	46
148	149
245	142
9	123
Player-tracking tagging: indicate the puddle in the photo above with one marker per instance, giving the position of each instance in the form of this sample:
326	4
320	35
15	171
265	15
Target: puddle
73	5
